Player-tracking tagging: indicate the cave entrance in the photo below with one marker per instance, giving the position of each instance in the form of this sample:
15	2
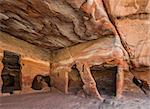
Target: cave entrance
11	73
105	78
75	83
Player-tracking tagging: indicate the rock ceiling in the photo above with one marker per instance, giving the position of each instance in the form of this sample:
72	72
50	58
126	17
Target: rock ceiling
51	24
54	24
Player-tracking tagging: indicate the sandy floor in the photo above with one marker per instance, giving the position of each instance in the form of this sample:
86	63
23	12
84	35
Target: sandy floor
55	100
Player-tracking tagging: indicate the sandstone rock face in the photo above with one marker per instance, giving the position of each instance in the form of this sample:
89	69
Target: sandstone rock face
135	15
132	20
34	60
23	48
135	42
30	69
53	24
84	33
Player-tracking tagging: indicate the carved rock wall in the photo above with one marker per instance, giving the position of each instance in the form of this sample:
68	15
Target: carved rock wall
132	26
92	32
34	60
29	70
63	23
132	21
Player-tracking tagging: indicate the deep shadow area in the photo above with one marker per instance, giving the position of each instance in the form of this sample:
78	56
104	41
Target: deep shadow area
75	83
40	81
105	78
11	73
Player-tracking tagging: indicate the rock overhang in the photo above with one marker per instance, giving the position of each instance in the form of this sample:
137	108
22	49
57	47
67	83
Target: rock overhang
53	24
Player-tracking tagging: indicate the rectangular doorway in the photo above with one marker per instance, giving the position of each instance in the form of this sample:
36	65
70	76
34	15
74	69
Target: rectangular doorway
105	78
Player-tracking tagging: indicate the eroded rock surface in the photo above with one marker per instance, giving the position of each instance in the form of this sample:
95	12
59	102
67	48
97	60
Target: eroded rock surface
53	24
132	21
90	32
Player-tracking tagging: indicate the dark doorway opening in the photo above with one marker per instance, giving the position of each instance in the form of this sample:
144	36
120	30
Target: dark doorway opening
11	73
75	82
105	78
41	81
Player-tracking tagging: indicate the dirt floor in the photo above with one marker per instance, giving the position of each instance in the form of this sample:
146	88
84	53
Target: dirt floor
53	100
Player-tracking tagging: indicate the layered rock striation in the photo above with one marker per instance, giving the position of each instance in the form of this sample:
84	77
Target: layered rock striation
84	33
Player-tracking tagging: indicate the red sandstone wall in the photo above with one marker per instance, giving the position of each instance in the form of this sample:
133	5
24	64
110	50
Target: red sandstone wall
33	60
130	86
29	70
1	67
131	18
